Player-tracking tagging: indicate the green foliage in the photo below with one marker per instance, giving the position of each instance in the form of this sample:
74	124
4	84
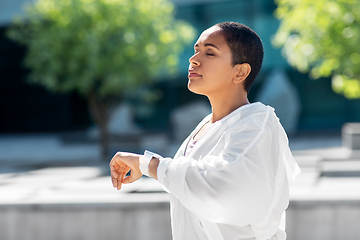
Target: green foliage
101	47
322	37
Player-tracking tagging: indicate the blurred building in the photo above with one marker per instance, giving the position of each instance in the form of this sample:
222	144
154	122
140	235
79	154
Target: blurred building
28	108
25	107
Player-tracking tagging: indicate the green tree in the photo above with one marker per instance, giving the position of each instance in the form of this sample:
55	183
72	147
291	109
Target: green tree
101	49
322	37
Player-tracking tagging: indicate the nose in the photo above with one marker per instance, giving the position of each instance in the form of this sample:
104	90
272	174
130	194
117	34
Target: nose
193	60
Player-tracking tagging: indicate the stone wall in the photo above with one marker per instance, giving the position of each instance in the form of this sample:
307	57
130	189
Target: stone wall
319	220
141	220
135	221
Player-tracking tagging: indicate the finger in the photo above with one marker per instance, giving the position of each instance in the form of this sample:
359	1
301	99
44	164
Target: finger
133	177
114	181
119	183
114	174
127	180
113	170
122	175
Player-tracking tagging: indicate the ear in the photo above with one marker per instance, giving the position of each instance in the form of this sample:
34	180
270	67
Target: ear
242	72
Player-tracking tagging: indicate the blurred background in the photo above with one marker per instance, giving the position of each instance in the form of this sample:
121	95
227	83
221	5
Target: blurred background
82	79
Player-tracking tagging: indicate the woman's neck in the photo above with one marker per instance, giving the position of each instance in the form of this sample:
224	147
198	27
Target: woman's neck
223	107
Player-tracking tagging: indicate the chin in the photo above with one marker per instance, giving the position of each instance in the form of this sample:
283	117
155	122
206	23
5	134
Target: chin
194	89
191	87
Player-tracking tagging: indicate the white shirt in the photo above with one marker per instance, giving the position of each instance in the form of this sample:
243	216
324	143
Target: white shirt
234	182
189	147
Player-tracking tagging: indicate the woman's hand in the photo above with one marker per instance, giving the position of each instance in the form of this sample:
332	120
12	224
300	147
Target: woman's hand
120	165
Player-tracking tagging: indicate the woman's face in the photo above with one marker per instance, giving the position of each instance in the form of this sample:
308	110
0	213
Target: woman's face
211	71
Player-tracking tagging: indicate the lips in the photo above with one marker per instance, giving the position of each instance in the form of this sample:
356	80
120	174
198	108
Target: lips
193	74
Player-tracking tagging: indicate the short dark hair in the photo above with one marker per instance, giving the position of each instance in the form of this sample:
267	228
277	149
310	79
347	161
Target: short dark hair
245	46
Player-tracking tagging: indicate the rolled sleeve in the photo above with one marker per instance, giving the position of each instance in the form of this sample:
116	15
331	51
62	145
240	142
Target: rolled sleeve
162	168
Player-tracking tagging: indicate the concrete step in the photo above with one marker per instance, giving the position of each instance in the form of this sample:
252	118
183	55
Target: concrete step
344	168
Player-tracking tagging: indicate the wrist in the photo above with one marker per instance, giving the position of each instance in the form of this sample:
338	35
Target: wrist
145	160
153	165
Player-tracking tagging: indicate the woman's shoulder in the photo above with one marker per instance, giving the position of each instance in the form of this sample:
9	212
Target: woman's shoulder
253	112
252	117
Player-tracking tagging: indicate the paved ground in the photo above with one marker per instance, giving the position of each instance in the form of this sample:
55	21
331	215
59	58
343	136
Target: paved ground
43	169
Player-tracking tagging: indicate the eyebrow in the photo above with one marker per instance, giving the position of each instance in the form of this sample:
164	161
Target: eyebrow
207	45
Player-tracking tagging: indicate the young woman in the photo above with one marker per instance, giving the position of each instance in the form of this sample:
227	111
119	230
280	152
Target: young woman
229	179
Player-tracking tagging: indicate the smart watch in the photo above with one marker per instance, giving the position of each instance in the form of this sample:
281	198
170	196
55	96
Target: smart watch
145	161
